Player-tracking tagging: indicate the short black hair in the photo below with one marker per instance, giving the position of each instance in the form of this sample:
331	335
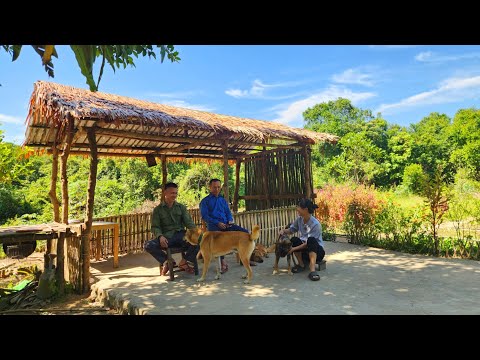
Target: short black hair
308	204
171	185
213	180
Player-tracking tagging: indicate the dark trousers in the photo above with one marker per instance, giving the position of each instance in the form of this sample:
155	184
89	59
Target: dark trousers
312	245
176	241
212	227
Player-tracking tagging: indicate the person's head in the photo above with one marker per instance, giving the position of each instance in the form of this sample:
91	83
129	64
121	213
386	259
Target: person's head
170	192
215	186
306	206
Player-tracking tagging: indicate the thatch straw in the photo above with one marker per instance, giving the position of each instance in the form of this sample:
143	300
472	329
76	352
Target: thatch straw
51	104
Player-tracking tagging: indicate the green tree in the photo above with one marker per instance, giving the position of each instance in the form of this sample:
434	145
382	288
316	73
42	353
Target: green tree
115	55
431	147
398	153
465	139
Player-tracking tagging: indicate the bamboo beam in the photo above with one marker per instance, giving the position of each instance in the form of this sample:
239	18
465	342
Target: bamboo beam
187	156
273	197
226	194
249	157
92	182
159	138
237	185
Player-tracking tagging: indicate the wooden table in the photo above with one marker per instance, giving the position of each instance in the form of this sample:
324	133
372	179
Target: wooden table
97	227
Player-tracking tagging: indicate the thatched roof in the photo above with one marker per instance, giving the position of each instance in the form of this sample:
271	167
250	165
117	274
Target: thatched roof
131	127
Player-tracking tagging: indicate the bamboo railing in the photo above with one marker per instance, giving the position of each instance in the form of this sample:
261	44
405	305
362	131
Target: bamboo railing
135	228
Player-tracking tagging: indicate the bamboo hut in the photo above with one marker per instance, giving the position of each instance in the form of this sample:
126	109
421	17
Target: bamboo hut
64	120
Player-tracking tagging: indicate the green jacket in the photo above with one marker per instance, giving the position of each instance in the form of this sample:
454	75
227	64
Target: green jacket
167	221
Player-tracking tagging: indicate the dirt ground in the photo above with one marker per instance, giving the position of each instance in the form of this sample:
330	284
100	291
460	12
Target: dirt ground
13	271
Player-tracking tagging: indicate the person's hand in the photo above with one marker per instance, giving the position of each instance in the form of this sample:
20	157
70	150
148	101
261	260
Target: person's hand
163	242
291	251
222	225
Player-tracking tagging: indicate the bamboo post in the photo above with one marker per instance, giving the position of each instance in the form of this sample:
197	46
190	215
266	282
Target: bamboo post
116	231
60	272
55	203
92	182
164	175
264	179
308	172
225	172
237	185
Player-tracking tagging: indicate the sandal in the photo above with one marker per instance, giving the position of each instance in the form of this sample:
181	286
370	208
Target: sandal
314	276
187	268
297	269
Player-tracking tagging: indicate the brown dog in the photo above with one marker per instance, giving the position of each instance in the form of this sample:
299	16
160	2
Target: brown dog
258	254
282	247
218	243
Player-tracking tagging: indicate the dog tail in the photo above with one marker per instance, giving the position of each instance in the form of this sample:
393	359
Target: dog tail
255	233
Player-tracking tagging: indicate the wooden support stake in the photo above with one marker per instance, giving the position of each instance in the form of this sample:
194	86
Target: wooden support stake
92	182
51	244
60	271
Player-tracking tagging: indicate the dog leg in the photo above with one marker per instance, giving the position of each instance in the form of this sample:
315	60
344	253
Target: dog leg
206	264
275	267
248	275
289	258
217	267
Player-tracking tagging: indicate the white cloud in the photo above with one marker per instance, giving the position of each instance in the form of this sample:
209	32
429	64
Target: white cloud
258	89
354	76
7	119
429	56
449	90
184	104
291	114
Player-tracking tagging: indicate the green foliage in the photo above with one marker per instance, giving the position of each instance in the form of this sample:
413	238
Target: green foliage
114	55
12	203
361	214
193	185
438	195
413	178
430	142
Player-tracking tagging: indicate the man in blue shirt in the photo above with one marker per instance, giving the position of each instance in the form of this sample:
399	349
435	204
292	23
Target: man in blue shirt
216	213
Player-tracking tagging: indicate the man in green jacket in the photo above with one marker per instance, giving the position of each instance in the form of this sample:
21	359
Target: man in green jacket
169	220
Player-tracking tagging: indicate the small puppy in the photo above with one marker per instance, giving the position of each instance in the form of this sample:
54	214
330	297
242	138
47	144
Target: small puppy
282	247
218	243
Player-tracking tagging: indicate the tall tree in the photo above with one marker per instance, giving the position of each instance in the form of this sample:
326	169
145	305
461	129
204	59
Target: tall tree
86	55
431	147
465	139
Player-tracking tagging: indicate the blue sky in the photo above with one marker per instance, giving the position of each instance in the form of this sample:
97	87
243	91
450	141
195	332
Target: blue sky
269	82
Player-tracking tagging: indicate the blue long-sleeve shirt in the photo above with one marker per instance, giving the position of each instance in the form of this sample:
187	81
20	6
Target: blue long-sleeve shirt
214	210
